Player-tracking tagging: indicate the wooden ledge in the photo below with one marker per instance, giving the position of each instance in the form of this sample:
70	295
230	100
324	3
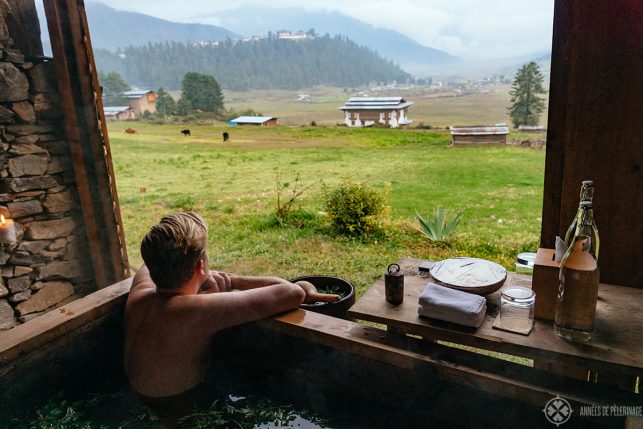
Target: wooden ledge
37	332
494	376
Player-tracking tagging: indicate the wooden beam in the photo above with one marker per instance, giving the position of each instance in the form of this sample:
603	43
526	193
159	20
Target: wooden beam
595	129
24	27
87	134
36	333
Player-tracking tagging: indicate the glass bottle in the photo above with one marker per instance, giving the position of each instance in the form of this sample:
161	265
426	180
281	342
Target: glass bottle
586	195
579	277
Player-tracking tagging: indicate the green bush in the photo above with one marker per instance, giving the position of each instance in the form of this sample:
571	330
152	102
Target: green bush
355	208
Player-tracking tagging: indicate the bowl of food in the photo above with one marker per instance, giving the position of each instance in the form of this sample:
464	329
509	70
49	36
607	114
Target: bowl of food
335	295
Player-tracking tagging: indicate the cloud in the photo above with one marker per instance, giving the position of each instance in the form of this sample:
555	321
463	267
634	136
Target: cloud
467	28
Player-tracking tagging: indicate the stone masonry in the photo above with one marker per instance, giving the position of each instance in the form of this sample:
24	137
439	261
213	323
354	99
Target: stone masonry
50	264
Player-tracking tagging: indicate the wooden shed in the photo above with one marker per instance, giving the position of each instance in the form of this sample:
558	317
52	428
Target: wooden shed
531	128
478	134
118	113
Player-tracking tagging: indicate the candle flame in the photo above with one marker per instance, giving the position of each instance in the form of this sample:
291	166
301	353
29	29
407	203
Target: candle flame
2	219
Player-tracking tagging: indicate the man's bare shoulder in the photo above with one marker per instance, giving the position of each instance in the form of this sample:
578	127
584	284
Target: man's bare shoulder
142	281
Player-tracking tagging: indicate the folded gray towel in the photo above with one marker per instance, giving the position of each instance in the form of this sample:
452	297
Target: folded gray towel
439	302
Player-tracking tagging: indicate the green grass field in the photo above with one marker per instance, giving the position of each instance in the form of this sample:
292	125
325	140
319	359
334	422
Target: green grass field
234	186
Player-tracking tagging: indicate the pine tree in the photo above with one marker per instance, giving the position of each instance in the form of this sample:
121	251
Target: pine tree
202	91
113	88
183	107
165	104
526	105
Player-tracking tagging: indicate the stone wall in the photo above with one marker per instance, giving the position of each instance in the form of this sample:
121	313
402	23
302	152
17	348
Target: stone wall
49	265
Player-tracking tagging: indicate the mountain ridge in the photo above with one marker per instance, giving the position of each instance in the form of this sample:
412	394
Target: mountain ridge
387	43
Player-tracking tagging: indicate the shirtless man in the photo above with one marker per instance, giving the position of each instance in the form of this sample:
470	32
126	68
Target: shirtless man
176	304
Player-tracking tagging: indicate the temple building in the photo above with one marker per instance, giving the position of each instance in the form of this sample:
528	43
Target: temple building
366	111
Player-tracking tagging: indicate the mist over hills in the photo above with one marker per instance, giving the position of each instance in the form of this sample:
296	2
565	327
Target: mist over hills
112	29
410	55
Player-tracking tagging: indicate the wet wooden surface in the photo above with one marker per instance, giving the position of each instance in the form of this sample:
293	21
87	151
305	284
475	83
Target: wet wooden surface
617	344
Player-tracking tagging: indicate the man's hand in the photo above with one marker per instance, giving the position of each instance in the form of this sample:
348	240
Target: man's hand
217	281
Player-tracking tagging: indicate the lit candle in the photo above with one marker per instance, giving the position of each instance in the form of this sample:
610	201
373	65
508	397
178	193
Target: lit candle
7	231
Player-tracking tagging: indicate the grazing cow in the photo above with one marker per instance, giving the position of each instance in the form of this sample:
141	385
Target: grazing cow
130	130
226	136
185	132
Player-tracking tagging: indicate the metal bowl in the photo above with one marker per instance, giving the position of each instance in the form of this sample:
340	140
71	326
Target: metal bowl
335	309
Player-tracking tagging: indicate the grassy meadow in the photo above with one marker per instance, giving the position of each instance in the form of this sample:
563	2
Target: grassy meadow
234	186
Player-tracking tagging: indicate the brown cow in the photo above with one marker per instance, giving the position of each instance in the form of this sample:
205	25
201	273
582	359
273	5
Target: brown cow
130	130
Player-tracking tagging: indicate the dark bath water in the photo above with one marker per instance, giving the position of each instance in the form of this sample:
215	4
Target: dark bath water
232	399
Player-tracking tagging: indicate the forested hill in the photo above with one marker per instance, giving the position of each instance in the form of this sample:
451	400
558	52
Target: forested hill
260	64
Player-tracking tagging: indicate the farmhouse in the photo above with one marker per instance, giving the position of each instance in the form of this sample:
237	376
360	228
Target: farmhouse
141	101
365	111
257	121
478	134
118	113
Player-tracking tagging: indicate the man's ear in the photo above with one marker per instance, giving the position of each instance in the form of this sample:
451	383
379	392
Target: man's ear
200	267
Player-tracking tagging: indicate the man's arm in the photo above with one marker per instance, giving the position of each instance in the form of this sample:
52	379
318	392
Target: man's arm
223	310
252	282
219	281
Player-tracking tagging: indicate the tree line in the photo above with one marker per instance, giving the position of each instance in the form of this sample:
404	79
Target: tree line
262	64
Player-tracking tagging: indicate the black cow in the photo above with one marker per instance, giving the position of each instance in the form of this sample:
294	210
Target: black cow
226	136
185	132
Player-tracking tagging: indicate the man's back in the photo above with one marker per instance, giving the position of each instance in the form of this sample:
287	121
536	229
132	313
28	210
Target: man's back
168	336
165	353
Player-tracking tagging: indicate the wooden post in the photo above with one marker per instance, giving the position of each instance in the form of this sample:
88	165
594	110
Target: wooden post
87	134
24	15
595	131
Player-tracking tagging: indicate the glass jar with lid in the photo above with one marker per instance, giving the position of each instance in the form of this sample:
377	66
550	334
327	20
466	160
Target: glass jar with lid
516	310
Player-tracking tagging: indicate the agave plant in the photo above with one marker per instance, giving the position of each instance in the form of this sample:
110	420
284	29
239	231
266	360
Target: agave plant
440	226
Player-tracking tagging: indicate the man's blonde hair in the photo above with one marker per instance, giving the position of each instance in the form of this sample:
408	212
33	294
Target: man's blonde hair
173	248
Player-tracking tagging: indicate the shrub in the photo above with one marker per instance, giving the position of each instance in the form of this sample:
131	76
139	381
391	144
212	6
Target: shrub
440	226
285	205
355	208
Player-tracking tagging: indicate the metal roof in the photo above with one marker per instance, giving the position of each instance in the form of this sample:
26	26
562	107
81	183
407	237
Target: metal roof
532	127
375	103
253	119
114	110
479	130
376	99
137	94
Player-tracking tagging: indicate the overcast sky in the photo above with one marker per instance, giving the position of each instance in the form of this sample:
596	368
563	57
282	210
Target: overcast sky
466	28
